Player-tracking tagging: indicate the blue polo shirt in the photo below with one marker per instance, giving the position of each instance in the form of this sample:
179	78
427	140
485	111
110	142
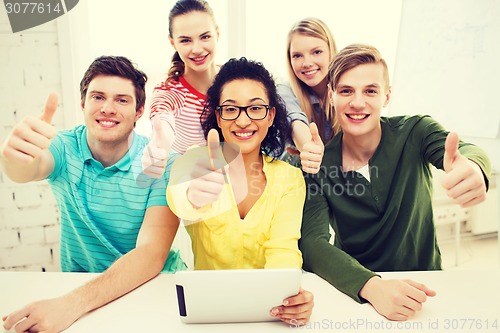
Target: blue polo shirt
102	209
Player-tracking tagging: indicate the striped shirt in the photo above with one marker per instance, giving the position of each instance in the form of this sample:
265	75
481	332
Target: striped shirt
180	105
102	209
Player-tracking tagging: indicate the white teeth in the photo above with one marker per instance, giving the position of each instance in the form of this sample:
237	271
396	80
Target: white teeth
357	116
199	58
310	72
245	134
107	123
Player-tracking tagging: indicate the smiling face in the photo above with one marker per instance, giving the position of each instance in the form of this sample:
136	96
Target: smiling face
358	99
248	134
309	58
194	36
109	111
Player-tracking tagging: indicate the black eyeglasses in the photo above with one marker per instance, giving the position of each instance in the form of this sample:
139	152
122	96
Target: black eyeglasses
232	112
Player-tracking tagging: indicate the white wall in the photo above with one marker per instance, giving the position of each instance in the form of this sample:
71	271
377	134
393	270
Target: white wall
354	21
448	67
29	223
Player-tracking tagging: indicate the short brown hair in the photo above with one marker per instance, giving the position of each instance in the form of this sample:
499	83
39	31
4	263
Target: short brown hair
352	56
116	66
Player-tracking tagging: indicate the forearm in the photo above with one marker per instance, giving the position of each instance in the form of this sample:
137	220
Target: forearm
293	109
127	273
366	291
478	156
322	258
168	125
300	134
433	144
23	172
19	172
335	266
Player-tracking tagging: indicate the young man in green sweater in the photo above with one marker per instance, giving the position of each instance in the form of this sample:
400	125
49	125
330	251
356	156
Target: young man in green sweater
375	189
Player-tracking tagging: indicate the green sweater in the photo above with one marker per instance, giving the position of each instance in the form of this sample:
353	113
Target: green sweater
382	225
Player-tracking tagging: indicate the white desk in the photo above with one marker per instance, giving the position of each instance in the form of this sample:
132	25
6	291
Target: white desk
467	301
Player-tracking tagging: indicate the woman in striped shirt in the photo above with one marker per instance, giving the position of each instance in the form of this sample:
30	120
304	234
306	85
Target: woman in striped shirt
178	102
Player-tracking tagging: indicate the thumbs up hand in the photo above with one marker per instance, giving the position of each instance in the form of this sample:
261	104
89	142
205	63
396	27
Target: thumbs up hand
464	180
311	154
155	154
31	136
207	177
213	145
451	152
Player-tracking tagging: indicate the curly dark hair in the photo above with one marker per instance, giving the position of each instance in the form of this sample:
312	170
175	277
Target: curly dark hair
237	69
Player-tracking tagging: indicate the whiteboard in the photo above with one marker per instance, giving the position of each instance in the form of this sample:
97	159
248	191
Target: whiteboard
448	64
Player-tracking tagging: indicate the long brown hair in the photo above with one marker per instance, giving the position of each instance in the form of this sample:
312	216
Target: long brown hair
183	7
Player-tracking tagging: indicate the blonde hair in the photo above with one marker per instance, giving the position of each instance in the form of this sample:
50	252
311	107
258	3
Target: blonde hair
316	28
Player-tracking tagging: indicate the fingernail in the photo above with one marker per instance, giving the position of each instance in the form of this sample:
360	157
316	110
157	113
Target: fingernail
274	311
285	302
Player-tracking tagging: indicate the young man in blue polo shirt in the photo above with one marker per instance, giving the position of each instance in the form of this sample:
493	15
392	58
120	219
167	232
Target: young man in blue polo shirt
114	219
374	188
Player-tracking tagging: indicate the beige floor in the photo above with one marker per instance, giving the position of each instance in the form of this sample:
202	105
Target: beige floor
474	253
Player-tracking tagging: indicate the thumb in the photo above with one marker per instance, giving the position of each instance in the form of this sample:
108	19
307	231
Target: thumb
450	151
159	137
315	134
422	287
50	108
213	144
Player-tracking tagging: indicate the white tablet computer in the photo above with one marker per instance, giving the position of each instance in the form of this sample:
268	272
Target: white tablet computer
224	296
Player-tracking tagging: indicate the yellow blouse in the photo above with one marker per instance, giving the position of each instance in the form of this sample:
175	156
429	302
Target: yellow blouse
266	238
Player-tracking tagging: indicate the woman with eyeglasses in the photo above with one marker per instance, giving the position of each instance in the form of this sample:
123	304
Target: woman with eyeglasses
242	207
